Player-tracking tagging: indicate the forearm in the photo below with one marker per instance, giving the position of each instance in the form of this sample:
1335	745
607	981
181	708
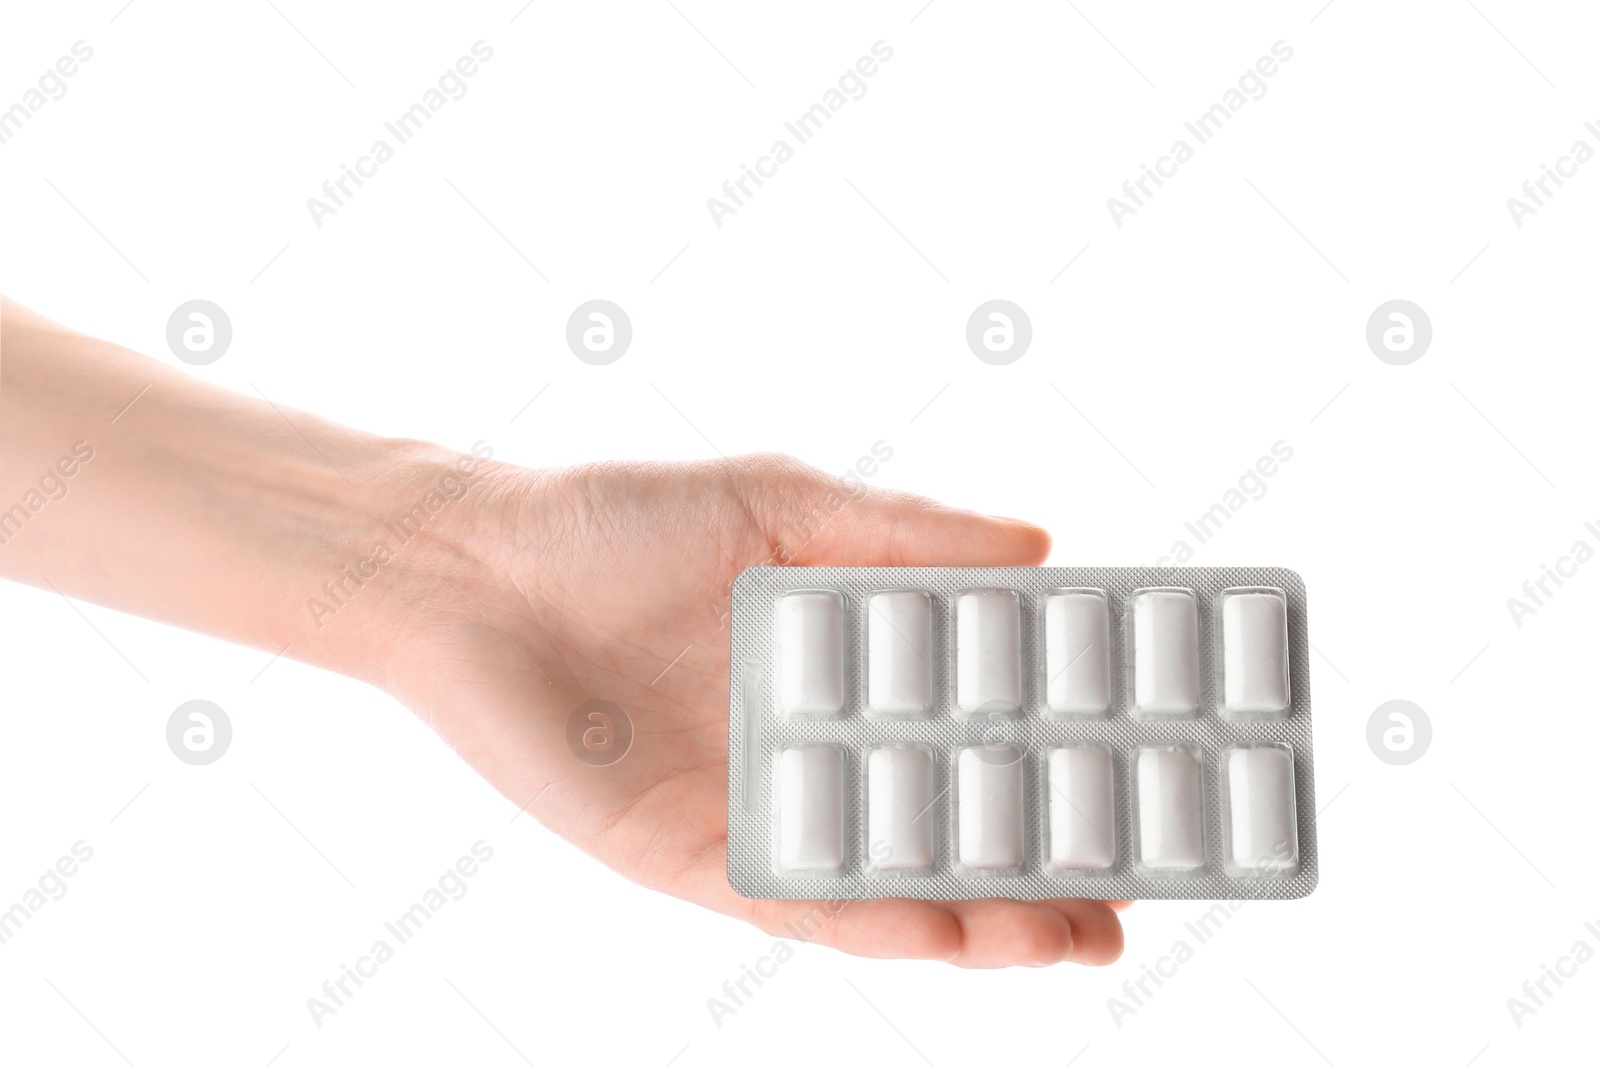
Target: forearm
130	484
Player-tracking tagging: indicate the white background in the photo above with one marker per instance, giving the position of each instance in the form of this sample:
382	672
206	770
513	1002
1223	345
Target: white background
1226	315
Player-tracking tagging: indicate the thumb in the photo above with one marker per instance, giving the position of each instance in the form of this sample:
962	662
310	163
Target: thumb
884	528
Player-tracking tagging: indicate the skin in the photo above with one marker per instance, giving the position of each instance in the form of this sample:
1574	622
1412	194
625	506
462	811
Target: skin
525	593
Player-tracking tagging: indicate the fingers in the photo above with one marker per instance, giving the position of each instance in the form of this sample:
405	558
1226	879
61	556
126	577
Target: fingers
878	528
896	530
1011	933
877	929
815	518
967	933
894	929
1097	931
1036	933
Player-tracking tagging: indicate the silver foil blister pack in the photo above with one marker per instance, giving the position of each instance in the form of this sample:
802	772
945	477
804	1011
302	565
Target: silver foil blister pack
951	733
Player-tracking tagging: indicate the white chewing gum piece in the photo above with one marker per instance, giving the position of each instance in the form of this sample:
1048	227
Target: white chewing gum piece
1083	807
1169	809
1166	652
900	653
811	654
989	802
1255	652
810	803
1261	815
1077	652
900	815
988	652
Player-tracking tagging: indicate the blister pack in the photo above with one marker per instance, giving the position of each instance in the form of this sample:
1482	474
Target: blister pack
951	733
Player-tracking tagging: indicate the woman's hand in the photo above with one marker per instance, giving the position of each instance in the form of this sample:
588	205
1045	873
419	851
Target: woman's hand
611	582
492	599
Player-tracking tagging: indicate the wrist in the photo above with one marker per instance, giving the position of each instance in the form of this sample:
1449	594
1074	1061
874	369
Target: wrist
221	512
378	573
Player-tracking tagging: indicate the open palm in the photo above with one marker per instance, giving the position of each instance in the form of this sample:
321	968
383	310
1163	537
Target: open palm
611	582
